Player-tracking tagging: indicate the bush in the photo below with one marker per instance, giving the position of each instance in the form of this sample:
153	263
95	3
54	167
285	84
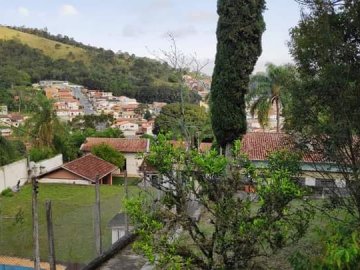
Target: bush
37	154
7	193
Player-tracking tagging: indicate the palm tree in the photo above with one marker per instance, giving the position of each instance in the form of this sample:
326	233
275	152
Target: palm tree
267	89
43	122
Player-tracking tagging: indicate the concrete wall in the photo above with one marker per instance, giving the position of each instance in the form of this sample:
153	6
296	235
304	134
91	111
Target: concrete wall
47	165
10	174
132	164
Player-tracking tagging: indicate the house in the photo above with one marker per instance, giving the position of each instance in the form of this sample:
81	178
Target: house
316	173
118	226
3	110
130	148
81	171
128	128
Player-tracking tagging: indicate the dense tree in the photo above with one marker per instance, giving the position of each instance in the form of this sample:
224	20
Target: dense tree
109	154
197	121
144	79
92	121
10	151
230	233
267	89
239	32
325	111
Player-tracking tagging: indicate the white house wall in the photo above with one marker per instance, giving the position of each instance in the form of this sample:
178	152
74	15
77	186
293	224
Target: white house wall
133	162
62	181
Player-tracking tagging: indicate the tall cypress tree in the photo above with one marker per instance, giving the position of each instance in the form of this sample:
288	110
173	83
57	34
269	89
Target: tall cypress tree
239	32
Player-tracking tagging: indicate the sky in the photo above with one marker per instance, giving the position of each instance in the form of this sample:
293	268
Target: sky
141	27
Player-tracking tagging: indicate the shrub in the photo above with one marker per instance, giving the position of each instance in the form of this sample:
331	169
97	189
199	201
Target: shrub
7	193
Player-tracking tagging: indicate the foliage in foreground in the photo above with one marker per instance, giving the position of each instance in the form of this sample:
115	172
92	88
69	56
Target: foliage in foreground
324	113
233	230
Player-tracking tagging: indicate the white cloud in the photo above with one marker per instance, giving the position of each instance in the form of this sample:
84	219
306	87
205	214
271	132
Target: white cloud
23	11
68	10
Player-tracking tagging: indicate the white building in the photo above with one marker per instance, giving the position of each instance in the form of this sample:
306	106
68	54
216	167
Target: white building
128	128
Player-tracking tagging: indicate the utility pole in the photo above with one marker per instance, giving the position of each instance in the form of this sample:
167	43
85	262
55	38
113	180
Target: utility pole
50	231
35	217
97	218
126	197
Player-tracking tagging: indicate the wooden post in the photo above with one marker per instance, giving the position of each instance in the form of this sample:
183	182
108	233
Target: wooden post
97	218
35	224
50	232
126	197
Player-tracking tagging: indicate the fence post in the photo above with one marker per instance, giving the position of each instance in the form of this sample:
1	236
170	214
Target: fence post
50	231
35	224
97	218
126	197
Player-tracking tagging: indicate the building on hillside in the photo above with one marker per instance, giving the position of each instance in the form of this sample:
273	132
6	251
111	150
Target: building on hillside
3	110
53	83
5	132
51	92
132	149
82	171
128	128
156	107
127	101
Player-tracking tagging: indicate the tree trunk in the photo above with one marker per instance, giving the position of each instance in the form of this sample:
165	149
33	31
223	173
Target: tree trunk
229	156
277	115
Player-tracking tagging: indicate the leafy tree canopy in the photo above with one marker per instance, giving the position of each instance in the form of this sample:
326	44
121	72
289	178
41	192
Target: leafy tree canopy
197	121
109	154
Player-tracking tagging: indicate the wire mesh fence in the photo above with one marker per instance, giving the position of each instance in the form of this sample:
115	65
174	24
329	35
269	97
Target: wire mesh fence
73	224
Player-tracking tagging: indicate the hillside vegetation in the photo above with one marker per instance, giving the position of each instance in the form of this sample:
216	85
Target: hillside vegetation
30	55
53	49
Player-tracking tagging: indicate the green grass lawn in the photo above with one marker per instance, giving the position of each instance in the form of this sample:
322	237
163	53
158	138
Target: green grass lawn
73	220
132	181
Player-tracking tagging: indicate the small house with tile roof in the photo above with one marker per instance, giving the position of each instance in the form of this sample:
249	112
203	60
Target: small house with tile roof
84	171
316	172
132	149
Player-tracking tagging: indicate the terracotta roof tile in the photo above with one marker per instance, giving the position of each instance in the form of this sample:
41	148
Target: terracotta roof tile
124	145
258	145
204	147
89	166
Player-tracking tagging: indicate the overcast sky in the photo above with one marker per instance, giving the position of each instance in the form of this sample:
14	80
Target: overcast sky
141	26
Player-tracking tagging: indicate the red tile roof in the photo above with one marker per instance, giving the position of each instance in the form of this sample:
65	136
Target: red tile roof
124	145
204	147
89	167
258	145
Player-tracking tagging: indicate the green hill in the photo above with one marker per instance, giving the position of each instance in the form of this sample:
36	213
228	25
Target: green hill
55	50
28	55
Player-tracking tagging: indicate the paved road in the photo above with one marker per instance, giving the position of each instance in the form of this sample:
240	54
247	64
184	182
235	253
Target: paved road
84	101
